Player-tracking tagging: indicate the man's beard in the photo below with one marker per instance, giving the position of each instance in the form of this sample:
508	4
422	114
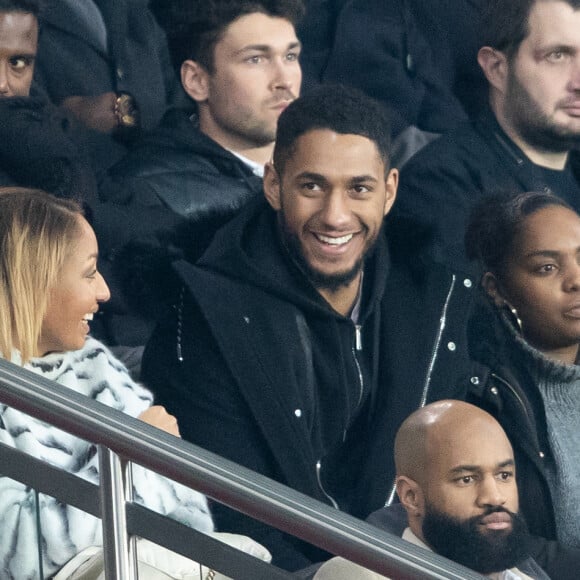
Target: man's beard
320	280
533	125
468	543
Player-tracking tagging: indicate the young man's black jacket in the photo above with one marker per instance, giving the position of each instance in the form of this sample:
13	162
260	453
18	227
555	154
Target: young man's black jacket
442	182
259	368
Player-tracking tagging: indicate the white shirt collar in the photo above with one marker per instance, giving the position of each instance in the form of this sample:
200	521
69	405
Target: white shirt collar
257	168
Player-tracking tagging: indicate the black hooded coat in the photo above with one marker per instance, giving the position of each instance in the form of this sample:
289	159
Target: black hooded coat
257	367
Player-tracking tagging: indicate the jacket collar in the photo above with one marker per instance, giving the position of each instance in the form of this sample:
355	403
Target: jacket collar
525	171
250	248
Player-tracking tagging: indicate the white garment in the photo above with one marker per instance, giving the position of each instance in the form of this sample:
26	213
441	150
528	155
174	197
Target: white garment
158	563
66	531
340	569
257	168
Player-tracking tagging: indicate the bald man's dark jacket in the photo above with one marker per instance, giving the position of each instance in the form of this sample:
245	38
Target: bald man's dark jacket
259	368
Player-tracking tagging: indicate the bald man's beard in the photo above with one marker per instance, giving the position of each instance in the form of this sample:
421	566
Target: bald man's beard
468	543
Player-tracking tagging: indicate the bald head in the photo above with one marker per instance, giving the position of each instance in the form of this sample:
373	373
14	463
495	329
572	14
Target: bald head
453	458
435	430
456	480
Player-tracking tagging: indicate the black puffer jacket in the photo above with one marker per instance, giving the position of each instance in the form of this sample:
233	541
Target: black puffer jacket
166	199
178	172
42	147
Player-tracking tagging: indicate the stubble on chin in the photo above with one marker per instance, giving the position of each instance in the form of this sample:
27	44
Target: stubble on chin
537	128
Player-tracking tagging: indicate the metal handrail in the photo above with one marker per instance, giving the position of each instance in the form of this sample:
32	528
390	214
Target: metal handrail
222	480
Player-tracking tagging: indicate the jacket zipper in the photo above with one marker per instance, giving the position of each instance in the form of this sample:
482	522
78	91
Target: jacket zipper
357	347
512	390
319	478
515	393
435	350
442	324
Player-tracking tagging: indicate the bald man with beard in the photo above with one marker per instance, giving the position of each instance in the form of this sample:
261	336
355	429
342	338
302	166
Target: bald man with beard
456	481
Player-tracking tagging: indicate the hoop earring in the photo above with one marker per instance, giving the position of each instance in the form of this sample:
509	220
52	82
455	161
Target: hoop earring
512	315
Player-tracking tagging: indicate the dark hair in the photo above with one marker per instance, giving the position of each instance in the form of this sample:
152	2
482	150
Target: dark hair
25	6
194	27
341	109
497	220
505	23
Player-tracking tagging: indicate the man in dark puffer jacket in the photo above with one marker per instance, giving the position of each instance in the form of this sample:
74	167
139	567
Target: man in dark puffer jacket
239	68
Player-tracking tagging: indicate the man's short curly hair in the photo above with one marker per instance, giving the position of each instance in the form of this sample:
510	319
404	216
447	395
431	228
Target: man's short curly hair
338	108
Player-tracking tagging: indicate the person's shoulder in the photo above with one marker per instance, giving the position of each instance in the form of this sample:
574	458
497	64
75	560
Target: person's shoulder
338	568
414	269
461	144
530	570
177	148
575	161
95	361
107	378
410	240
95	354
173	136
391	518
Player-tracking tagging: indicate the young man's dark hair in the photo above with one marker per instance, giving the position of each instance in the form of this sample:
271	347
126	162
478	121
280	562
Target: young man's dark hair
194	27
344	110
505	23
26	6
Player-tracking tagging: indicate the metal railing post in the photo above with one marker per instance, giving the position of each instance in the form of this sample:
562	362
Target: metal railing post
134	569
115	539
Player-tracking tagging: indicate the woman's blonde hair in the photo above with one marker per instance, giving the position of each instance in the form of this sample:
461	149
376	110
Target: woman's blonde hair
37	232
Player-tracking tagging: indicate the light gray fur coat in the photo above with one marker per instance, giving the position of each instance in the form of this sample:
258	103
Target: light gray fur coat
94	372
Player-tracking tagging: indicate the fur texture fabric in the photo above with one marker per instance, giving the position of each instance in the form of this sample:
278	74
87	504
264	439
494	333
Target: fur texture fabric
64	530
